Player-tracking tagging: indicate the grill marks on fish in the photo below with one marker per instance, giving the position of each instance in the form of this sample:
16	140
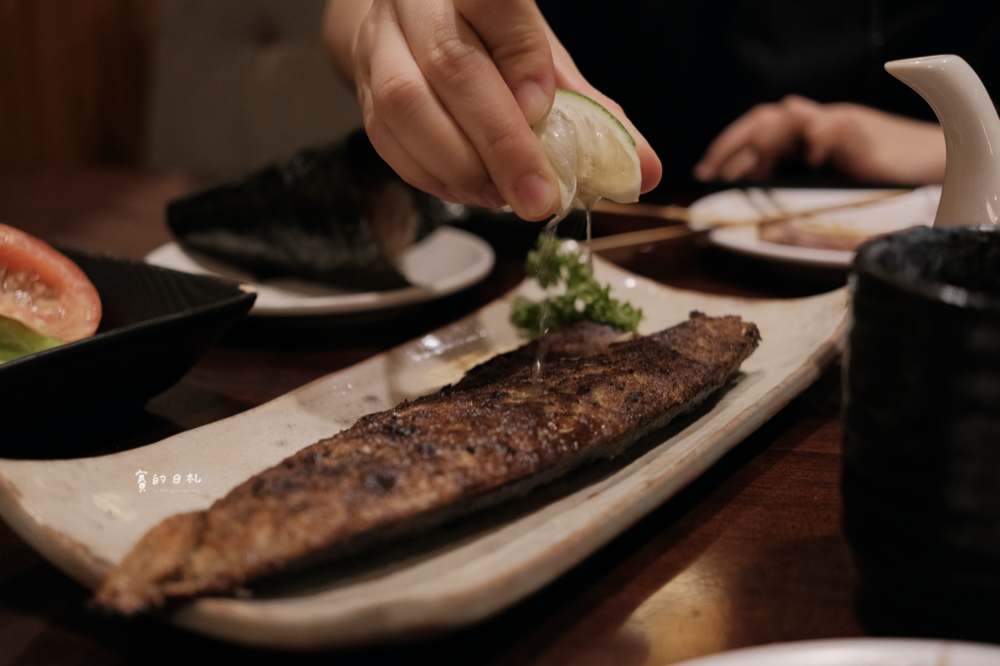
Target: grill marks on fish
495	434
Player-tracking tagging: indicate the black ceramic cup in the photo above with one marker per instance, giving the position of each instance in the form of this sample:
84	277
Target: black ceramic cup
921	480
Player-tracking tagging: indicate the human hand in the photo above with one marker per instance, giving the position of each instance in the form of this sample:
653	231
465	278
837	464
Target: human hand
868	144
449	89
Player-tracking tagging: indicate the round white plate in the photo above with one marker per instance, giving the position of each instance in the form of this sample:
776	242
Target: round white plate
893	214
445	262
858	652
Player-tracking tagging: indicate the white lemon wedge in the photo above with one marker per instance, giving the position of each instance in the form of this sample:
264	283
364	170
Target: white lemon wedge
593	154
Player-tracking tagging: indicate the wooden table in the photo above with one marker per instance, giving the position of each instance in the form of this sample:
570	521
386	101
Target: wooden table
751	553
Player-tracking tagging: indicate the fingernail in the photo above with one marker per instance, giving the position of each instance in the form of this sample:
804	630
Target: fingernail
702	172
491	195
536	197
533	101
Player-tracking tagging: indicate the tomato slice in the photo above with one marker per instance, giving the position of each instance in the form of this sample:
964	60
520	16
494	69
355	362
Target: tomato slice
44	290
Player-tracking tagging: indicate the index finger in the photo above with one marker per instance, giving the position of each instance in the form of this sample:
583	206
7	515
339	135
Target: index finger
515	35
461	70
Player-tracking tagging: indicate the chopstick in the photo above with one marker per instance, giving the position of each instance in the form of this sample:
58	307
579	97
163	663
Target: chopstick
790	215
682	214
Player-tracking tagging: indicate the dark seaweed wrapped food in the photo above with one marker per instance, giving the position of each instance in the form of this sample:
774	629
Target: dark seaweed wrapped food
337	215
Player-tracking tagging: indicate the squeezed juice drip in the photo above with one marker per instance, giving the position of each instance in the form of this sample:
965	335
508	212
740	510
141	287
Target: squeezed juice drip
549	233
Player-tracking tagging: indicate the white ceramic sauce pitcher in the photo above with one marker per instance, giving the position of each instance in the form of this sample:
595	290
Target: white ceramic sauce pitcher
970	195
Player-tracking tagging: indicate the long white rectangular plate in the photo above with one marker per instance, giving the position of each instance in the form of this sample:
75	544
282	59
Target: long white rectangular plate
84	515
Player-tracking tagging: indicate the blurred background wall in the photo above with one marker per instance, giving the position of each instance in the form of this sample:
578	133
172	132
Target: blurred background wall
72	81
206	85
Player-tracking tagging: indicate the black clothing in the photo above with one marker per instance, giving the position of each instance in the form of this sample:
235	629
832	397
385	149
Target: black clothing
684	70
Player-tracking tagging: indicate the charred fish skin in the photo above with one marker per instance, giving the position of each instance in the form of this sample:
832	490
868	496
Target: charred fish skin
336	214
426	461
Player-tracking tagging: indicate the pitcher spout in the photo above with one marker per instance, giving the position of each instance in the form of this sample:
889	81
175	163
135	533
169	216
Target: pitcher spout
970	195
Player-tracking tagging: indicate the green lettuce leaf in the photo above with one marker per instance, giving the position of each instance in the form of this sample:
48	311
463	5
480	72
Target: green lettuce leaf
17	340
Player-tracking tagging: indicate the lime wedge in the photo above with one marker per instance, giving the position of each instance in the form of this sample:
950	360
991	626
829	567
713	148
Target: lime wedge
592	152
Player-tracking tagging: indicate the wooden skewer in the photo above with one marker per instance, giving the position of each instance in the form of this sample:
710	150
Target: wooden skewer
678	213
641	237
682	214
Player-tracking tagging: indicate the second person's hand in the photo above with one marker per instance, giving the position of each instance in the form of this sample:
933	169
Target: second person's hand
865	143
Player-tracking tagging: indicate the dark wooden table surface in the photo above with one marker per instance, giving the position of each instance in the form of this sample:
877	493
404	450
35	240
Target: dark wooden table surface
751	553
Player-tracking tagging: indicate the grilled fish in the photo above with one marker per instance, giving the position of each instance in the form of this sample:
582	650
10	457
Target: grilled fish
337	214
497	433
